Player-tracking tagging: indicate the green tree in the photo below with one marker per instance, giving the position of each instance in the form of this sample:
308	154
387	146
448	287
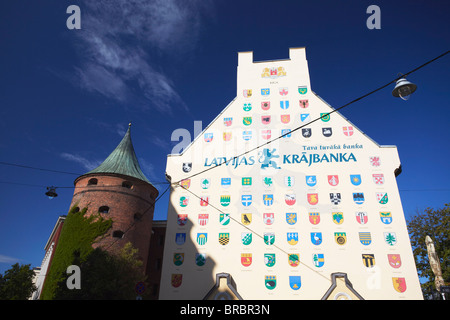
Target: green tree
436	224
105	276
17	283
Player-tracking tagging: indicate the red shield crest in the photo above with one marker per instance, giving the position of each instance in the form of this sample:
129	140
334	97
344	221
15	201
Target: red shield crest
283	91
266	134
246	259
314	217
204	201
333	180
394	260
186	183
303	104
290	199
265	119
361	217
348	131
399	284
265	105
176	280
182	219
203	219
285	118
313	198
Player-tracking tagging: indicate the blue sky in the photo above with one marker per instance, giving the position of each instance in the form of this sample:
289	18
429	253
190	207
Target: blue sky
67	96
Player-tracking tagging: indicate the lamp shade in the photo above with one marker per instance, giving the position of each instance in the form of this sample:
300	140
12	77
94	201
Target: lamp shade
403	89
51	193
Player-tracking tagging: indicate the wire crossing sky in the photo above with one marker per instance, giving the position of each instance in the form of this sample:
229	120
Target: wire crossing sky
314	120
68	95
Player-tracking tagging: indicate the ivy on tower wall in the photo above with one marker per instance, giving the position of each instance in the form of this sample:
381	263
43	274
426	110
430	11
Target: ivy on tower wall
78	234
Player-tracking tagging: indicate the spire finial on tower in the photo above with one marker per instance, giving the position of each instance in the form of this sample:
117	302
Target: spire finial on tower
122	160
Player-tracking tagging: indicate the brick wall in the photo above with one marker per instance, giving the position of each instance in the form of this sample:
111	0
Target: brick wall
131	207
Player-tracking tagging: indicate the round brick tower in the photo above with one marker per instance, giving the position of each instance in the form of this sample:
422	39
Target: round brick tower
118	189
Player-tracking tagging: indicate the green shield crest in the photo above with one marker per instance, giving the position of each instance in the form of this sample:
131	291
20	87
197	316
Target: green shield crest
269	259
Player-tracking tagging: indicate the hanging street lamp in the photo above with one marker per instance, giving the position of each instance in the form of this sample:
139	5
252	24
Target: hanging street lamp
403	89
51	192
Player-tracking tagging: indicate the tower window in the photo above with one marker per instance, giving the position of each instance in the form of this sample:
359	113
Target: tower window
103	209
127	184
118	234
92	182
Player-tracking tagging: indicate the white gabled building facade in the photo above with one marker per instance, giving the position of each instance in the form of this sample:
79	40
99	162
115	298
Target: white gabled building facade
315	214
50	247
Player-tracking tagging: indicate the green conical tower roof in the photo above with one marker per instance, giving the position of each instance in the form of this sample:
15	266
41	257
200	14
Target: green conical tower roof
122	160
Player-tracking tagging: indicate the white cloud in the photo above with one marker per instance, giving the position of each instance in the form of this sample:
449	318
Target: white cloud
96	78
121	41
119	128
158	23
86	163
7	259
149	170
164	144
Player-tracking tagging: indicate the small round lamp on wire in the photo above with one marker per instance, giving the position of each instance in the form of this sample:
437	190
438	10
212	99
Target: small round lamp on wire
403	89
51	192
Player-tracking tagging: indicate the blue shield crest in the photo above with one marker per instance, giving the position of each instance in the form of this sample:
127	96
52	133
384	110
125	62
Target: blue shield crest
286	133
284	104
180	238
226	182
246	200
291	218
304	117
311	181
268	199
358	197
355	179
208	137
386	217
316	238
247	135
265	92
295	282
292	238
